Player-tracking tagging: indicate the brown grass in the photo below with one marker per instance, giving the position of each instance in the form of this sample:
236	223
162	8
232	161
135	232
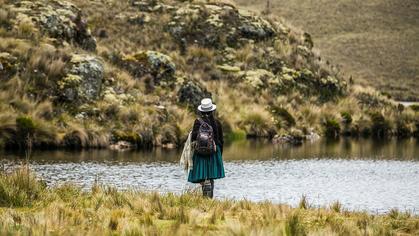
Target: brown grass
374	41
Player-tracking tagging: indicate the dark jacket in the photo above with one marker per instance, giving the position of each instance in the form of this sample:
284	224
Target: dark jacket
216	127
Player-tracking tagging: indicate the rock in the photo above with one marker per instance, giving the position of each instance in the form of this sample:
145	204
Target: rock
122	146
295	137
8	65
59	19
217	26
192	93
156	64
84	79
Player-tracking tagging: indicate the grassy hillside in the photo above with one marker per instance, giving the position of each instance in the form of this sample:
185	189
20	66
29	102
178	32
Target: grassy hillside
94	73
374	41
27	207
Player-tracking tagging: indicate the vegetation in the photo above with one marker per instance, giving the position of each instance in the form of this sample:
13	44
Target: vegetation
373	42
100	72
27	207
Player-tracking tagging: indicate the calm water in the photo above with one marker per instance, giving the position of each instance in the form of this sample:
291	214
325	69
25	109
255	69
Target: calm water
361	174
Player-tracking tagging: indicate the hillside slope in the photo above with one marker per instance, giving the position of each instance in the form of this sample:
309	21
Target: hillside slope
374	41
91	74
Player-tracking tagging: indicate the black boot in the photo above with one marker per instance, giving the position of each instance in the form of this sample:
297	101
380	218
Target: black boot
212	188
207	189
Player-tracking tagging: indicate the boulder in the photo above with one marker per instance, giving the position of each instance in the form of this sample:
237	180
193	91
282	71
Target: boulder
191	93
58	19
217	26
156	64
83	81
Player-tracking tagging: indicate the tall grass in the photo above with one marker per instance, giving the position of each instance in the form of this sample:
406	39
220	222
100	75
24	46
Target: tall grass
28	207
20	188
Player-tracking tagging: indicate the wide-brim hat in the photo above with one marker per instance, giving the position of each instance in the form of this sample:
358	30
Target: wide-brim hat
206	105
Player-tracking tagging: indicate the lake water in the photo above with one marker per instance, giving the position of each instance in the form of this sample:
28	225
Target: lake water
375	176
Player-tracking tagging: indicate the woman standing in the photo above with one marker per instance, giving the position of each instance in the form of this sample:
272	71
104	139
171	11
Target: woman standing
207	136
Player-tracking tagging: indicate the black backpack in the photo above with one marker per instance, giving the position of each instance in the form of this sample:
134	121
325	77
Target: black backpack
205	144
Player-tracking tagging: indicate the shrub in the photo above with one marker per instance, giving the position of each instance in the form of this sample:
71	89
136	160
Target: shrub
257	125
170	134
380	126
282	114
331	128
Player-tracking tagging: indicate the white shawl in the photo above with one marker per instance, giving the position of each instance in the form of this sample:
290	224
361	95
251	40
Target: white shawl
186	157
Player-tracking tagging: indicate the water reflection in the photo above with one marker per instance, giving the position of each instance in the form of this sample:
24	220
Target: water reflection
344	148
362	174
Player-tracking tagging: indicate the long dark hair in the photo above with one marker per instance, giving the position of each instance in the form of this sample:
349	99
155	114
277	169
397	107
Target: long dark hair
208	116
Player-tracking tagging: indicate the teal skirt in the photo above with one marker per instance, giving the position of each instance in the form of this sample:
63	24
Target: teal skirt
206	167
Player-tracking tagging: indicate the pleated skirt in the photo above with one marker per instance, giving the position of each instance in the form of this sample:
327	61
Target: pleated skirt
206	167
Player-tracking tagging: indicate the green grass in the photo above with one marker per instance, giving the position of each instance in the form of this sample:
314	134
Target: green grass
373	41
67	210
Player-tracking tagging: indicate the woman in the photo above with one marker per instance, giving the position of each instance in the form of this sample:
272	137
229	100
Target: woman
207	167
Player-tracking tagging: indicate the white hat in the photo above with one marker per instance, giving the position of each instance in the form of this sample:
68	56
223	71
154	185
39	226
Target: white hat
206	105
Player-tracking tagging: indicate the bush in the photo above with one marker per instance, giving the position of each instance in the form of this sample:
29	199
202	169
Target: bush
281	114
331	128
380	126
257	125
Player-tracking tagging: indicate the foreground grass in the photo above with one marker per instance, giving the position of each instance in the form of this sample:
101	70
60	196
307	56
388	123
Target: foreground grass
27	206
